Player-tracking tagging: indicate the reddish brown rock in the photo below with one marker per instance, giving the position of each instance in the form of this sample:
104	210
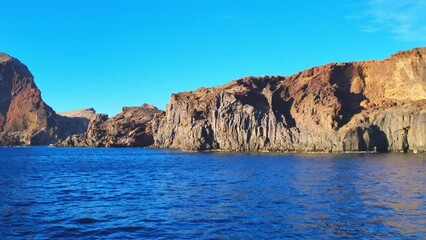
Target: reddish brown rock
24	117
360	106
130	128
371	105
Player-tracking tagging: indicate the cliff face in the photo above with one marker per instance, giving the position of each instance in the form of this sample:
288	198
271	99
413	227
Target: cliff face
361	106
372	105
24	117
130	128
78	120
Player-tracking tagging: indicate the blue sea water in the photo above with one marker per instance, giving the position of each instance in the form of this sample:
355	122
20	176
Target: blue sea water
86	193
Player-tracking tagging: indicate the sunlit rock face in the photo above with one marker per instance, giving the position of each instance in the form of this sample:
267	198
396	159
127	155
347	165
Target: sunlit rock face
130	128
358	106
25	119
355	106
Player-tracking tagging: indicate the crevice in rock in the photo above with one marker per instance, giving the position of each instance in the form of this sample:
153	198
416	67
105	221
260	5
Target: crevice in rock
207	140
341	76
282	108
405	145
257	100
362	145
379	139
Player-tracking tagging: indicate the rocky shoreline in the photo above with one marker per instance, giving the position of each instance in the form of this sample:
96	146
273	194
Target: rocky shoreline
376	106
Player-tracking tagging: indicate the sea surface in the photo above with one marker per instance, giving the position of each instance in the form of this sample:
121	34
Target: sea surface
133	193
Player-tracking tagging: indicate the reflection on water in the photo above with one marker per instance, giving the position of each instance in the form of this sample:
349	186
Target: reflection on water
143	193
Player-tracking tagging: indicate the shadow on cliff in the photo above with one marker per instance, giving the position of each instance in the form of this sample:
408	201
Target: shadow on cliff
282	109
350	101
378	140
71	125
255	99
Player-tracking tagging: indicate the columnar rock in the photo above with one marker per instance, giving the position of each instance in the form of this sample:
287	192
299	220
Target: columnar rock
130	128
24	117
359	106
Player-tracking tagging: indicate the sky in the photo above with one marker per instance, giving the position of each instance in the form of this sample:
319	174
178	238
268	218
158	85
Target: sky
108	54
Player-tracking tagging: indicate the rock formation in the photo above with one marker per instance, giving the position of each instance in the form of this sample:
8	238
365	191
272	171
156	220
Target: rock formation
86	113
78	119
355	106
130	128
360	106
25	119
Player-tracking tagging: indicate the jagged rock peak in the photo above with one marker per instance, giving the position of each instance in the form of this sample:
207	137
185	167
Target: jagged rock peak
4	57
85	112
24	117
130	128
149	106
144	106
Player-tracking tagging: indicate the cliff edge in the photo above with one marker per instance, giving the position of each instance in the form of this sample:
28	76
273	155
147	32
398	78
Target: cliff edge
354	106
130	128
25	119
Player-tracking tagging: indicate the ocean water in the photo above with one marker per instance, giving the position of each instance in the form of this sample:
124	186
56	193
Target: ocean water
76	193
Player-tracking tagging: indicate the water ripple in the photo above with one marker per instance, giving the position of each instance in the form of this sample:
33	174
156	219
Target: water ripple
61	193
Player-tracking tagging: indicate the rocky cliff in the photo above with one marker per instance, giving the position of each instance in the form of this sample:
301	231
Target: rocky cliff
130	128
78	120
357	106
25	119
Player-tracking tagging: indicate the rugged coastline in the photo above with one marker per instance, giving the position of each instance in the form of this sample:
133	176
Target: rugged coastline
365	106
25	119
338	107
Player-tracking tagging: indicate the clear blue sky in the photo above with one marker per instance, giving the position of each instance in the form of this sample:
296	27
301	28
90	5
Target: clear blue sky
108	54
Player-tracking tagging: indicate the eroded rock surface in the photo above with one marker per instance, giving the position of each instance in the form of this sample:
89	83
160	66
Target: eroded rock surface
130	128
25	119
78	120
360	106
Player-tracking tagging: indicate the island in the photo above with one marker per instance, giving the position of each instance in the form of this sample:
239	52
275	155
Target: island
339	107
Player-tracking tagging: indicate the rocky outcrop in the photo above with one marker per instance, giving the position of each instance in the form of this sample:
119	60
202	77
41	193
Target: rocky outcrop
78	120
361	106
86	113
130	128
25	119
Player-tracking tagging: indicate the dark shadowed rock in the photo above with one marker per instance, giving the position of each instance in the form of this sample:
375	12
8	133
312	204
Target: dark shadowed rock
361	106
78	120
